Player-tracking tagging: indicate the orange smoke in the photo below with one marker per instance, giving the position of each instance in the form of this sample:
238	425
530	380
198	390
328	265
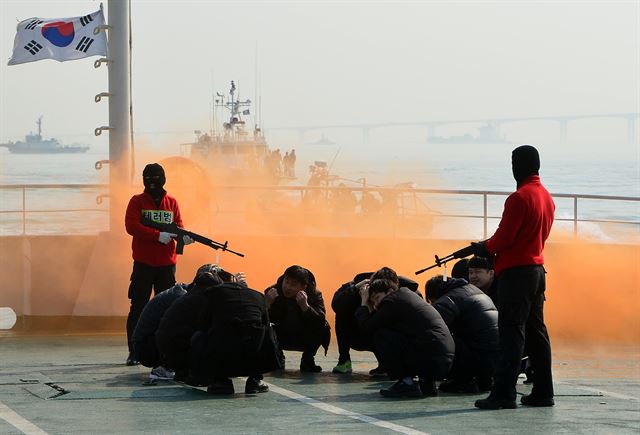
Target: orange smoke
593	289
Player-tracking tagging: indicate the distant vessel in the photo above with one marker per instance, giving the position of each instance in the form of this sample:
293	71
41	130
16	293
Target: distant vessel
487	134
322	141
35	144
232	149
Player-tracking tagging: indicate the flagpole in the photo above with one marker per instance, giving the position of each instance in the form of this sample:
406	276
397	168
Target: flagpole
120	171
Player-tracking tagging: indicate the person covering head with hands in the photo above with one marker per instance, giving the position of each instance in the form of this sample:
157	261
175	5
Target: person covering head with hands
297	311
153	251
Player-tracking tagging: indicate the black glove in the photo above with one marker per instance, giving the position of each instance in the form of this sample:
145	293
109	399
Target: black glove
480	250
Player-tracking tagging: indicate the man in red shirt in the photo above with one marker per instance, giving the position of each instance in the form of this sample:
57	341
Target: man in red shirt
517	245
154	252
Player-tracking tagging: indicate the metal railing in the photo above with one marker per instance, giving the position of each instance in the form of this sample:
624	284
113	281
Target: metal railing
24	210
417	195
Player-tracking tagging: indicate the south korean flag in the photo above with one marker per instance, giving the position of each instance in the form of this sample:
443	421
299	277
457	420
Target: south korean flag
60	39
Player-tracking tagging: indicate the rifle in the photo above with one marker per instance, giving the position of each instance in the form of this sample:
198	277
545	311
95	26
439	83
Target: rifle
175	229
461	253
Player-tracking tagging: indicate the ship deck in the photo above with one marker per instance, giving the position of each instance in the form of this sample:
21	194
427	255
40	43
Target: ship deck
78	383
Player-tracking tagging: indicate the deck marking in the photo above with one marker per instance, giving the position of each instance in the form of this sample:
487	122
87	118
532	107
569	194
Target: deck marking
601	391
22	424
339	411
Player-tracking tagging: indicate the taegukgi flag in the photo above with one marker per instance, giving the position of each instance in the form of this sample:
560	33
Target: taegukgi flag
59	38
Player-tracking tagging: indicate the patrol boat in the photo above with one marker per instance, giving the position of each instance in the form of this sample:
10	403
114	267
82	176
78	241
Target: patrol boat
36	144
230	149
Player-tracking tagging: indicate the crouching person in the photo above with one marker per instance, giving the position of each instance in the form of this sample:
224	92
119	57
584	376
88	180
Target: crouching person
297	311
472	318
186	315
409	335
144	341
144	336
345	303
238	341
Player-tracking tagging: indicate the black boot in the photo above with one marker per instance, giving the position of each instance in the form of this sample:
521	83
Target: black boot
255	385
221	387
495	403
132	359
309	365
402	389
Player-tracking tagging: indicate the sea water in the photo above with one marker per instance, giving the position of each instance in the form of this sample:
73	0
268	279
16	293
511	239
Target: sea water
457	167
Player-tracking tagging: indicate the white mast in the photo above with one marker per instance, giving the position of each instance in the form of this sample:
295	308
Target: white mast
119	62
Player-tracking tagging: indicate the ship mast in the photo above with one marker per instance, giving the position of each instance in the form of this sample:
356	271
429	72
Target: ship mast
40	127
235	125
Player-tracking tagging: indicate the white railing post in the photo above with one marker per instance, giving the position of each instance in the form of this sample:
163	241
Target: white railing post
485	214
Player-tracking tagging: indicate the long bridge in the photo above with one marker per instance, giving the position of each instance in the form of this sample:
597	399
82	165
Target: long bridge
493	124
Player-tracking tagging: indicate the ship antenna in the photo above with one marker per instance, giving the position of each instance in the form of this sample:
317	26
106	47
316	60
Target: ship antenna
213	107
255	88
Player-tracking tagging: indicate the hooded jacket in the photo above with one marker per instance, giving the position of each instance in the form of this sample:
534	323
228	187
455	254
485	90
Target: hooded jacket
470	314
285	311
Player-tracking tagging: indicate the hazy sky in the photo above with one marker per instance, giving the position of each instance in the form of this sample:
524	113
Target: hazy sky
338	62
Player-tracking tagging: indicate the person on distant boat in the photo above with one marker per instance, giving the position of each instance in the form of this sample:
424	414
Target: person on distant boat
344	200
482	275
409	336
472	319
144	341
154	252
346	301
297	311
292	163
518	245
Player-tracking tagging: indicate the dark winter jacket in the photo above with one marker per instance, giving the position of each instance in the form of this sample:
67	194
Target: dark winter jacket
154	310
237	326
186	315
404	312
470	314
285	312
346	299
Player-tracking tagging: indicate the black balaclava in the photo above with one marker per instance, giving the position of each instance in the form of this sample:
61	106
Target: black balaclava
154	179
525	162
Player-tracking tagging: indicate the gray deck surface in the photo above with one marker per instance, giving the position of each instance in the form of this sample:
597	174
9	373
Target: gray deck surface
597	391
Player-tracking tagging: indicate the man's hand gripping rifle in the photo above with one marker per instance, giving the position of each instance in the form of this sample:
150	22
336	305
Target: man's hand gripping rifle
180	232
475	248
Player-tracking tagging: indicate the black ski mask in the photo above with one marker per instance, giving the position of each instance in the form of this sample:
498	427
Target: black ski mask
525	162
154	179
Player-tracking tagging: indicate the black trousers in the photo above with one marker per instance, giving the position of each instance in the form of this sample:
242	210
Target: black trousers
144	278
349	337
147	351
521	295
469	363
402	357
306	339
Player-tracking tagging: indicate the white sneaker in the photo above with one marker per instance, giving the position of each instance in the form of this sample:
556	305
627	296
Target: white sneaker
161	373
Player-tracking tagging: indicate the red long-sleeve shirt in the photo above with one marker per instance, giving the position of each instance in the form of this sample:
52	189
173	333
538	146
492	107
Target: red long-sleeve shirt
145	245
525	226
